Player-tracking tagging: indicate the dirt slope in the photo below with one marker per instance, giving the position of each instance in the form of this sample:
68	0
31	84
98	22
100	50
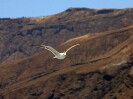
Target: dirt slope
102	70
17	34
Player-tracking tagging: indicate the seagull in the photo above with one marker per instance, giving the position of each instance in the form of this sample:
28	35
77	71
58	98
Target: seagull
57	54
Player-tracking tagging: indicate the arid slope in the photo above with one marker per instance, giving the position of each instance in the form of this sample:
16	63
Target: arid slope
17	34
101	67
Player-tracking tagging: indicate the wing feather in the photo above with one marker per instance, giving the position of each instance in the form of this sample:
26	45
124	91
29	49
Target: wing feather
49	48
55	52
71	47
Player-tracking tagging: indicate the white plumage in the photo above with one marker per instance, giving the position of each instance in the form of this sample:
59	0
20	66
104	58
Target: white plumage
55	52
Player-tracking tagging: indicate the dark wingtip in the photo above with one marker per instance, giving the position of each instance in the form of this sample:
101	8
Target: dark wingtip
34	45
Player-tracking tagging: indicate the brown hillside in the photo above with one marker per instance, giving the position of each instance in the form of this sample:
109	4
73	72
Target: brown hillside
100	68
17	34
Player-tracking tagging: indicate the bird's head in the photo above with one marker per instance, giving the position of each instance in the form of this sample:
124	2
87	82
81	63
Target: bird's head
64	53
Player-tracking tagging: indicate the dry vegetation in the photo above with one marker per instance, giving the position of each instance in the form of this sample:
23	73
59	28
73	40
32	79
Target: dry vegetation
100	68
17	34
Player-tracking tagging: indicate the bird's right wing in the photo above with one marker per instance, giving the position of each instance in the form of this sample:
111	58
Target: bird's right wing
71	47
52	50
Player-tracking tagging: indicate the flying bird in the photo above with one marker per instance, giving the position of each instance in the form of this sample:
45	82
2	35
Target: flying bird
57	54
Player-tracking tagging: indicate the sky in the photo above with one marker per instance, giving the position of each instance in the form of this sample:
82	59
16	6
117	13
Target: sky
38	8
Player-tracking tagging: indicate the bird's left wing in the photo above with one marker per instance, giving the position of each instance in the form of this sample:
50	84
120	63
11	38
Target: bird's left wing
55	52
48	48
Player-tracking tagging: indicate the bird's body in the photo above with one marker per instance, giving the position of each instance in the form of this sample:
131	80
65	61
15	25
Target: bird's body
60	56
55	52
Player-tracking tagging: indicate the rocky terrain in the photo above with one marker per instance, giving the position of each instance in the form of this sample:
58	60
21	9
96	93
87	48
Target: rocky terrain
100	68
17	34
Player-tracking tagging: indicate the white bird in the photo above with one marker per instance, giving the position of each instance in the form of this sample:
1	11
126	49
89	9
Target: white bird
55	52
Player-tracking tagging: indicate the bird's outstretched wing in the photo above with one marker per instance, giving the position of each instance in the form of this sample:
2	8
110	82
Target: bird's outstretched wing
48	48
71	47
55	52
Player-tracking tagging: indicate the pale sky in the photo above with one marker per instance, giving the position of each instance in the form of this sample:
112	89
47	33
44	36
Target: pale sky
36	8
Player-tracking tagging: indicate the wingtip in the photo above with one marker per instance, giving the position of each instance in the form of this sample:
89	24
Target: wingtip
34	45
31	45
77	44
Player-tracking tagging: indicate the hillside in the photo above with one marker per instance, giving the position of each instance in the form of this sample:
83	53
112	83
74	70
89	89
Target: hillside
17	34
100	68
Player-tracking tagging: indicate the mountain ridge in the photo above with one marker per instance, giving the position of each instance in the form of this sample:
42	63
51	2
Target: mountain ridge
72	67
100	67
65	25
